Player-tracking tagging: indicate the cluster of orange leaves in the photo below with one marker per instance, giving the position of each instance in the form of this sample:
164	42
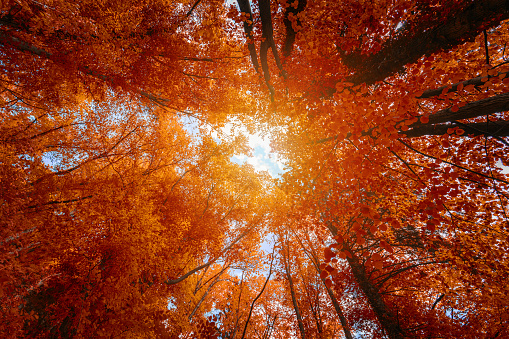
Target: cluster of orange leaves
118	219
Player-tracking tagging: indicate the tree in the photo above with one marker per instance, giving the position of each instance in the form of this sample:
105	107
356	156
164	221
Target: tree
361	165
124	209
118	220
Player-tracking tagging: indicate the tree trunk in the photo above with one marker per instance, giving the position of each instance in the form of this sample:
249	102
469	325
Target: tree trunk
339	311
458	28
385	316
335	302
387	319
257	297
292	291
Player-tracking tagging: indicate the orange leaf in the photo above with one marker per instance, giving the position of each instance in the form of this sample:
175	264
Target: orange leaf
339	239
365	210
430	226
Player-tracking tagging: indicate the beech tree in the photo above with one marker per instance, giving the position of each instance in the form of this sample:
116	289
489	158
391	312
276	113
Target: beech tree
396	199
119	220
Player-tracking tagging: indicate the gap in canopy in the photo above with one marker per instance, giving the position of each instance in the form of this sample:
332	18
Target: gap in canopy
259	155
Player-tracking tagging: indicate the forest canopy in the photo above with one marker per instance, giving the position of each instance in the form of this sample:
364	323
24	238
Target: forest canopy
118	220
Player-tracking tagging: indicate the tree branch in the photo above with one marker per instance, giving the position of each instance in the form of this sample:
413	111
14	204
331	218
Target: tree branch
258	296
494	104
245	7
438	300
495	129
477	81
210	262
452	164
456	29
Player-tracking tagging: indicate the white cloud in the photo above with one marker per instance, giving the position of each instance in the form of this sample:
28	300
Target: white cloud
262	159
255	140
258	163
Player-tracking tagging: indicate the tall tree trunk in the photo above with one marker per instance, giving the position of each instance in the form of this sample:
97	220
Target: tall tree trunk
314	305
339	311
286	260
257	297
415	42
316	263
386	318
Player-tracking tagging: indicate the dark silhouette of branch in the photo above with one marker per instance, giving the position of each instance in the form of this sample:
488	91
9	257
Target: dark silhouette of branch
258	296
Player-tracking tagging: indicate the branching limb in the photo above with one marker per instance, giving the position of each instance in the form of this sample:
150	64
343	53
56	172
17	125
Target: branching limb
210	262
258	296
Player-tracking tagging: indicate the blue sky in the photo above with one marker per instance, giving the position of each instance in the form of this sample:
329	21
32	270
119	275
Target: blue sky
261	157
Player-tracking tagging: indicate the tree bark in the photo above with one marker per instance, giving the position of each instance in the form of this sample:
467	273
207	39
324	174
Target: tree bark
268	31
387	319
245	7
494	104
385	316
290	32
458	28
493	128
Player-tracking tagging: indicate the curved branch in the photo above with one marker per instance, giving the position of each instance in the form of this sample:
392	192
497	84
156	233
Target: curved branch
210	262
258	296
